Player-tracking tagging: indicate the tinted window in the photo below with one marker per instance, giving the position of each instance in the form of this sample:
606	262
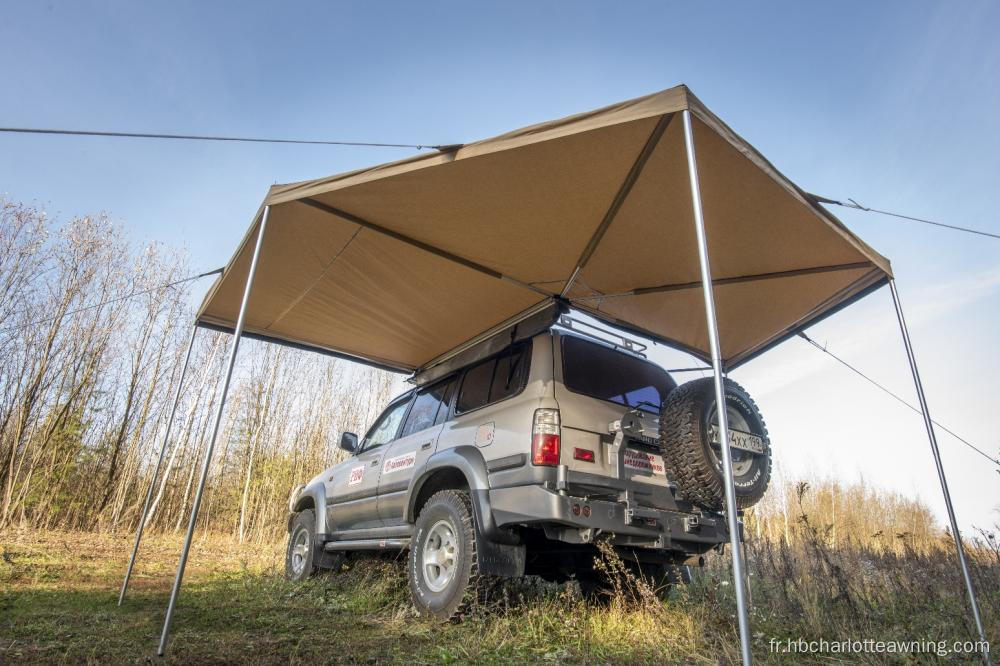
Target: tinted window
386	427
446	402
476	386
430	402
507	378
494	379
607	374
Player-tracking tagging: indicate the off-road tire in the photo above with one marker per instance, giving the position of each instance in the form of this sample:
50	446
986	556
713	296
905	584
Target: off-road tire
689	460
463	590
302	530
597	585
675	574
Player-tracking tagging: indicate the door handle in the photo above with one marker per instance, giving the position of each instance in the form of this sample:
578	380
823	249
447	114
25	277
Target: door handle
374	463
425	446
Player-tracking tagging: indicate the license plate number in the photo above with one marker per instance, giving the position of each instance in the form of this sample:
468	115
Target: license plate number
744	441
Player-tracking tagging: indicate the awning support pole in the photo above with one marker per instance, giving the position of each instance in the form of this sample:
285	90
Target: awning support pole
237	332
940	467
156	470
720	394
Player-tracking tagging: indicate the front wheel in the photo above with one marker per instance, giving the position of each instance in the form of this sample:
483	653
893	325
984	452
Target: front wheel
443	568
300	556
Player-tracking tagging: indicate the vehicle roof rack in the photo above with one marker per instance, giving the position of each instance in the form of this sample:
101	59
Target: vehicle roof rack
626	344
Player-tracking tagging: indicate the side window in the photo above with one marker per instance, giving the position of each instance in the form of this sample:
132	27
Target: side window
386	427
446	401
508	378
494	379
475	390
427	407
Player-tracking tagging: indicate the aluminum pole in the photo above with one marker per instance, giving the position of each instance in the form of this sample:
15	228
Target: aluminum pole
940	467
237	332
156	470
720	393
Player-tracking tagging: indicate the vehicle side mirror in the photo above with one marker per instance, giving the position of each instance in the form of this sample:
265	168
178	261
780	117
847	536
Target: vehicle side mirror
349	442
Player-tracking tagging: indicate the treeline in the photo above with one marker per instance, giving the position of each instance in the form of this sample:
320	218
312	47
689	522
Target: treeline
87	379
840	515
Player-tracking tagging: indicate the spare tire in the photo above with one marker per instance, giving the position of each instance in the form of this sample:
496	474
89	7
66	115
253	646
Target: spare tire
694	462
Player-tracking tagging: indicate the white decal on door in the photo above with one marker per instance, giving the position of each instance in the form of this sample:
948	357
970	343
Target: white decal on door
357	474
645	462
484	434
399	463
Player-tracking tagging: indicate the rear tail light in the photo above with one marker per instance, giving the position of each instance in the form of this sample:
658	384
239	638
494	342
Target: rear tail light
586	455
545	437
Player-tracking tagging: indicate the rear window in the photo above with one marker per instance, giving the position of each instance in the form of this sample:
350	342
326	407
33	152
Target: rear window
494	379
600	372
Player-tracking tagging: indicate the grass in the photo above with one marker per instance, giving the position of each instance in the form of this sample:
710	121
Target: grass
59	597
58	594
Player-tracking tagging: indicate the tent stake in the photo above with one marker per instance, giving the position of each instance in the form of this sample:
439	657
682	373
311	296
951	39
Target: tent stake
215	434
156	470
940	468
720	393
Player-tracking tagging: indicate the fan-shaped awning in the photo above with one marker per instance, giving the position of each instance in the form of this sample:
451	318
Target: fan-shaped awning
400	263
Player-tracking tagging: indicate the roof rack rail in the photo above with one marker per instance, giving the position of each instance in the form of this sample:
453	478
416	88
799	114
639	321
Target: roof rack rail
626	344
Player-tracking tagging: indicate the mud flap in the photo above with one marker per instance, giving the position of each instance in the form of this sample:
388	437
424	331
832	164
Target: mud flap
500	554
327	560
499	559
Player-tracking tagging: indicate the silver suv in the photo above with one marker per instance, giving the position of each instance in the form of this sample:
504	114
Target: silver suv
516	461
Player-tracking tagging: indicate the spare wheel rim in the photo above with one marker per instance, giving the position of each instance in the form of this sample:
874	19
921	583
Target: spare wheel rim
742	460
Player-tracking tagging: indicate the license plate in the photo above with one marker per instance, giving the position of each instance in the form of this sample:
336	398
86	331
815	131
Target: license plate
641	461
744	441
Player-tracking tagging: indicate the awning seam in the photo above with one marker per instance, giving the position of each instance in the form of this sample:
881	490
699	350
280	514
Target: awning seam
619	200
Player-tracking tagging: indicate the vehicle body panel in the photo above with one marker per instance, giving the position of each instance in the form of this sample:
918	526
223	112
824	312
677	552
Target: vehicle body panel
373	493
403	458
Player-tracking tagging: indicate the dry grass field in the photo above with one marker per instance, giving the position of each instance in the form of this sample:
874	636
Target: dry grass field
58	593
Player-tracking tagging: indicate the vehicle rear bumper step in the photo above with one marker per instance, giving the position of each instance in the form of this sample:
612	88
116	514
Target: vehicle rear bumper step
536	505
368	544
663	495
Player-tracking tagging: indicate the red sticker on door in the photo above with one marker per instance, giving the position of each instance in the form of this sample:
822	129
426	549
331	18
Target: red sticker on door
399	463
357	474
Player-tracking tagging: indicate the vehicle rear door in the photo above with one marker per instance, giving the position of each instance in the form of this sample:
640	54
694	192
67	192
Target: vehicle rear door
352	490
408	454
596	385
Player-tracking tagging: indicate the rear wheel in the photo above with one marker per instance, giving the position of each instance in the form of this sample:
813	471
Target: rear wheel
443	567
675	574
660	577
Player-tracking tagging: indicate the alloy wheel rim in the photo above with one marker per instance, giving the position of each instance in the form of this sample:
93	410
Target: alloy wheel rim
440	556
300	550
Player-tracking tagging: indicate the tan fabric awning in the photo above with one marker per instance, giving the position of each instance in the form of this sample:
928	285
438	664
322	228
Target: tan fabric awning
402	262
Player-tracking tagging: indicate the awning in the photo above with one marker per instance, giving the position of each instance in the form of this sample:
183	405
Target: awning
398	264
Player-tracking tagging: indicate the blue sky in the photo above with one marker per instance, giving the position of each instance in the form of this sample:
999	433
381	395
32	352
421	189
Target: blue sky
892	103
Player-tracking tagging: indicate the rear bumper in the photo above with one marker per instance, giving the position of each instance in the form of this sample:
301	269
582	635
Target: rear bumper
564	517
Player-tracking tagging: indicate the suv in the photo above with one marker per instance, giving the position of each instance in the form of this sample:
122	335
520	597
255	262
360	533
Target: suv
516	462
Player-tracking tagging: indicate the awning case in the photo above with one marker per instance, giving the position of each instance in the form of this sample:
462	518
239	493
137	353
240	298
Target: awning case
400	263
